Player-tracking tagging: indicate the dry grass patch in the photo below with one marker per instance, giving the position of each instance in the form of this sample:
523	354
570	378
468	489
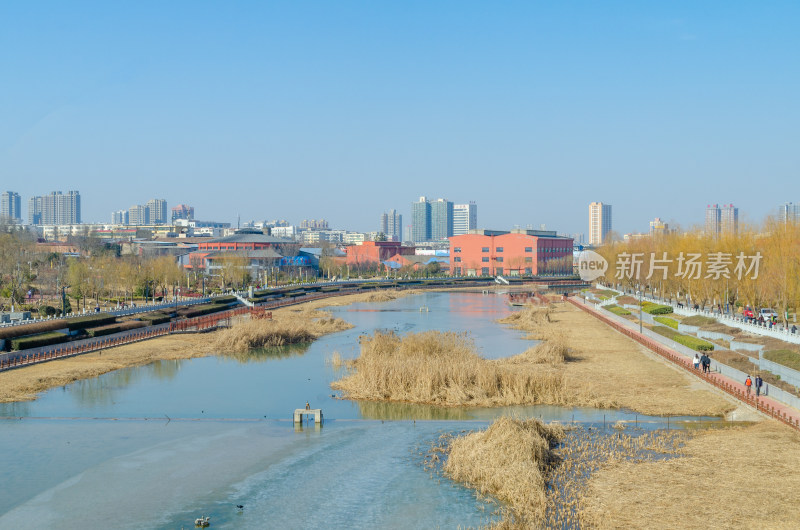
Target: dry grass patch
730	478
443	369
507	461
553	350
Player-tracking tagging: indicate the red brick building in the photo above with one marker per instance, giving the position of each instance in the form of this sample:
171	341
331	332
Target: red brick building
514	253
371	253
243	241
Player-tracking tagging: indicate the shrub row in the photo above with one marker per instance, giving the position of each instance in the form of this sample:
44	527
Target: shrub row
156	317
42	339
617	310
656	309
690	342
667	322
116	328
200	310
31	329
89	322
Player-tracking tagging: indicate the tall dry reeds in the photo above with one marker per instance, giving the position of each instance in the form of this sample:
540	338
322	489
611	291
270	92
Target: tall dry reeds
301	326
443	369
508	461
530	318
553	350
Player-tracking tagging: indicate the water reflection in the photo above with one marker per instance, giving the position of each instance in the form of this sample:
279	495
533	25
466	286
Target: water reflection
268	354
377	410
106	389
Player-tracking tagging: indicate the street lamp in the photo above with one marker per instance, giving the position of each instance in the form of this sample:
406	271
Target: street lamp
639	293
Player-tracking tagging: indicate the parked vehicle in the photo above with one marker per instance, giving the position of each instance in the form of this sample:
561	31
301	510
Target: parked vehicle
768	313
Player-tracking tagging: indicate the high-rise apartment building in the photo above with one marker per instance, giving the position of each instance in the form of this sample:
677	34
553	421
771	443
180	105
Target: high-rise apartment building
421	220
431	220
721	220
182	211
139	215
465	218
55	209
789	213
10	207
158	211
599	222
441	220
120	217
392	225
729	219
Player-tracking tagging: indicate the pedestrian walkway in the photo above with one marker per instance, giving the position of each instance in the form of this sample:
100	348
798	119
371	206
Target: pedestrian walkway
772	408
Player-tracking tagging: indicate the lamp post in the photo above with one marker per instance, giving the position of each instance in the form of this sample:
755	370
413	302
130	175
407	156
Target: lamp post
639	292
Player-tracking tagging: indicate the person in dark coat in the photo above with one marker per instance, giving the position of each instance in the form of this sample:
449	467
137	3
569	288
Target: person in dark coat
759	383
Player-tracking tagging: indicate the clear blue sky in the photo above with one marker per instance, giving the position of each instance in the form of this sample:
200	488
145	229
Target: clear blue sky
344	109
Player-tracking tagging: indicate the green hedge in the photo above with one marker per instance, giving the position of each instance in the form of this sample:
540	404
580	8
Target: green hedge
89	322
617	310
656	309
667	322
31	329
156	317
42	339
224	299
116	328
690	342
205	309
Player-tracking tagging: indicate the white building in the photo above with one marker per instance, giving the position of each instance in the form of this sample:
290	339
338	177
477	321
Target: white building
465	218
599	222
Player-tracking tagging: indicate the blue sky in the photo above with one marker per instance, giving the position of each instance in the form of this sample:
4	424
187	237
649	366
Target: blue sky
343	110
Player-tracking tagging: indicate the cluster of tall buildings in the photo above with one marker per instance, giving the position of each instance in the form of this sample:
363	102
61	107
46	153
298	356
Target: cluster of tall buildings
56	208
392	225
154	212
789	213
721	219
437	220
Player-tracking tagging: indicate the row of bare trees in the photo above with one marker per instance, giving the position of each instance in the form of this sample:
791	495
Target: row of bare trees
756	267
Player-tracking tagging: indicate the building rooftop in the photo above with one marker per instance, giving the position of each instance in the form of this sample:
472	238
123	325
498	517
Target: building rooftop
250	238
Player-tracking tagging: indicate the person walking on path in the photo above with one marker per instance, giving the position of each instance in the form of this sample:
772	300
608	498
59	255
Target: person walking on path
696	362
759	383
748	383
705	361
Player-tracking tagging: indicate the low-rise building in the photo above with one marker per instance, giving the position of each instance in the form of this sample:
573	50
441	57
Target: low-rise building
511	253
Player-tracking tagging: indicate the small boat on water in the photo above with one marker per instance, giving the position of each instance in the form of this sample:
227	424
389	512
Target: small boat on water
202	522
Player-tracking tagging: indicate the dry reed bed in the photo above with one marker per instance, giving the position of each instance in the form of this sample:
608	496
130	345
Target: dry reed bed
508	461
287	327
732	478
443	369
540	474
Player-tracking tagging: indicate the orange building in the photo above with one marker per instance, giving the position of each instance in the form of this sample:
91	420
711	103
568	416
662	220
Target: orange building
371	253
514	253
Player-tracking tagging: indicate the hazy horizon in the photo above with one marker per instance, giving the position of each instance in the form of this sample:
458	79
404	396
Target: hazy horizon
343	111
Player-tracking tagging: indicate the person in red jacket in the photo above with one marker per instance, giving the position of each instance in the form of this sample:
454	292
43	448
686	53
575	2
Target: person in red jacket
748	383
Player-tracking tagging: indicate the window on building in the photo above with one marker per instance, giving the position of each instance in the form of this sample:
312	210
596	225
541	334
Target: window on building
498	271
528	259
499	249
485	249
485	259
457	271
485	271
499	259
528	270
457	258
528	249
456	249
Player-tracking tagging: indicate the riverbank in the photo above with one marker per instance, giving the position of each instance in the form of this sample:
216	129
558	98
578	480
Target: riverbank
24	384
580	362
